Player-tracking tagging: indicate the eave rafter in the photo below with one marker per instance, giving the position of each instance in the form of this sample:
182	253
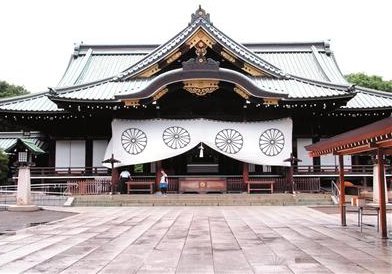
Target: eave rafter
353	144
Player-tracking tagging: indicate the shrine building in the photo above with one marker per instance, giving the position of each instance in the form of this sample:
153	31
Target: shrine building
200	105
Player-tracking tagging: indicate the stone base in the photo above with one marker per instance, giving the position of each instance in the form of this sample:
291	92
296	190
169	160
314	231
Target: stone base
23	208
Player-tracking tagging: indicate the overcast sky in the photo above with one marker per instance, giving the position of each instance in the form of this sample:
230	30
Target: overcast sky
37	37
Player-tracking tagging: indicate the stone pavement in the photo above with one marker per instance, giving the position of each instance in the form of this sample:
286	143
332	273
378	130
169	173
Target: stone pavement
12	221
258	239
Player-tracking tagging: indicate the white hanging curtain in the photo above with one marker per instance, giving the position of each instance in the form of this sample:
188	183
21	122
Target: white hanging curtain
143	141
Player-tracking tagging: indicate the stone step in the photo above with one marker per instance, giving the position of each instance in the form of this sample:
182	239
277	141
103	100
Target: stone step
203	200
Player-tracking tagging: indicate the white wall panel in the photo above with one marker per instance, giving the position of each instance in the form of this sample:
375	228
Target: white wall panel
62	154
302	153
99	148
78	153
70	153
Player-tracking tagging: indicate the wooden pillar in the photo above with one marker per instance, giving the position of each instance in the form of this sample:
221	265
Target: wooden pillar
89	156
245	172
342	196
158	166
115	179
381	192
291	178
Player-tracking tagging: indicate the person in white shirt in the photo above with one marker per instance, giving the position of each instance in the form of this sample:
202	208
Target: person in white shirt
163	183
125	176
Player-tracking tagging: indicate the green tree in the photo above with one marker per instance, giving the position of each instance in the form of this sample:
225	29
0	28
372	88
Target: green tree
3	167
8	90
372	81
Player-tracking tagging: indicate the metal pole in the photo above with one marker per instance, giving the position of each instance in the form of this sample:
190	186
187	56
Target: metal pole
342	197
381	193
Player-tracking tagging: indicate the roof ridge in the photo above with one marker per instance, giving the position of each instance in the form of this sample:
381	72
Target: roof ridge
296	45
316	56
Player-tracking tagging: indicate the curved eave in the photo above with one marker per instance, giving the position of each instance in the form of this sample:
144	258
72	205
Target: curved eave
31	103
7	111
84	101
180	75
385	108
67	89
347	96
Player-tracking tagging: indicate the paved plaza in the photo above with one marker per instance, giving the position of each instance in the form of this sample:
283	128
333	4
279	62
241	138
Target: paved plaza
257	239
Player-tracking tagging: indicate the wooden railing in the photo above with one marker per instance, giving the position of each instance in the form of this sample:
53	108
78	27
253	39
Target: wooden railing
334	169
302	170
68	171
307	184
89	186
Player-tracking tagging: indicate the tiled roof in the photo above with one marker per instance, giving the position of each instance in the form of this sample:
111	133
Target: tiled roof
369	99
35	102
304	64
8	139
297	89
92	67
105	91
294	58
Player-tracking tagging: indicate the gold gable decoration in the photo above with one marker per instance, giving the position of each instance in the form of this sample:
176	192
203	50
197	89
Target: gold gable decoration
270	101
150	71
160	93
173	57
252	70
131	102
201	87
242	92
202	36
228	56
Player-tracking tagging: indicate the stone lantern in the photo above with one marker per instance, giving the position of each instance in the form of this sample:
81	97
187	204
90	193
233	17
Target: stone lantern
25	151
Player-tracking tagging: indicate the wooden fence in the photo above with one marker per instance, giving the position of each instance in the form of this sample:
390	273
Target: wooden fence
89	186
234	185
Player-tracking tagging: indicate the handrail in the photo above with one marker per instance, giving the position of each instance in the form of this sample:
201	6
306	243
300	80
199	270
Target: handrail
41	194
335	191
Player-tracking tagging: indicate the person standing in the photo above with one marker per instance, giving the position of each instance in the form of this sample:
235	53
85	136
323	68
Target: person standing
163	183
125	176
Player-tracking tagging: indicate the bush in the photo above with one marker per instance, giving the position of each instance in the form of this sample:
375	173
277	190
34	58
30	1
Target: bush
3	167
